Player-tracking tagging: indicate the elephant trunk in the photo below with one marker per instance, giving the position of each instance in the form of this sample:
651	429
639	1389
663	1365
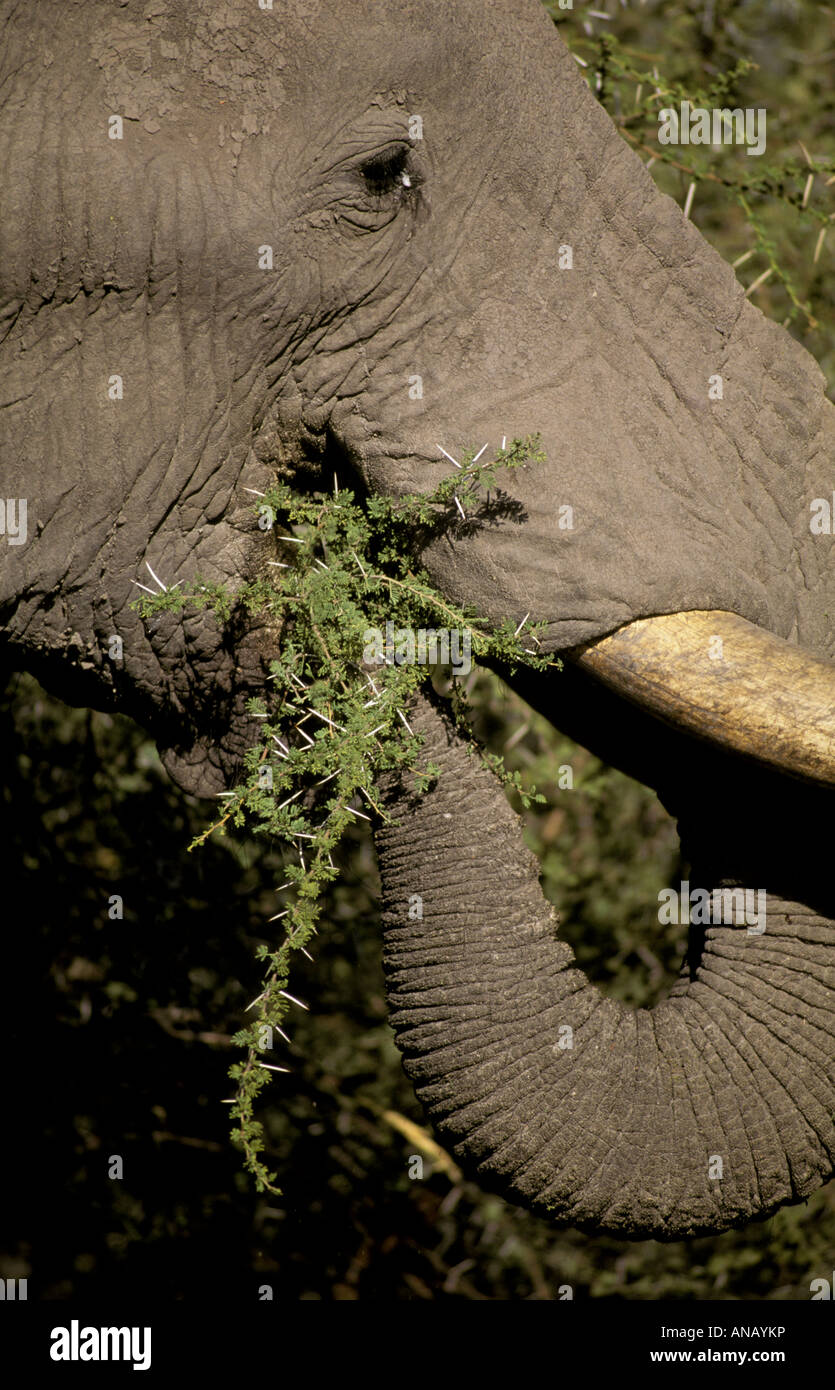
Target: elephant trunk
713	1107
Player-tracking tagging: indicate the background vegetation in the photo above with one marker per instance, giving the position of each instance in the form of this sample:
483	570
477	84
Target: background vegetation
122	1029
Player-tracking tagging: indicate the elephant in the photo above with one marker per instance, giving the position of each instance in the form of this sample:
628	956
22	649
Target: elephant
242	242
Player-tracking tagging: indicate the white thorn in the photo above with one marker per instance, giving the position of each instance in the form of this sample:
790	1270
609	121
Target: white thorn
287	803
460	508
152	592
760	280
155	577
294	1000
329	778
448	456
521	625
327	721
406	722
255	492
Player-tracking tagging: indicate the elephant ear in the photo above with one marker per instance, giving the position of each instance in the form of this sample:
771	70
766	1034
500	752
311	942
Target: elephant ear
714	1107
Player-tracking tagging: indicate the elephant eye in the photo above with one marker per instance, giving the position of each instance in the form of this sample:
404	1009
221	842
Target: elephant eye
389	172
379	188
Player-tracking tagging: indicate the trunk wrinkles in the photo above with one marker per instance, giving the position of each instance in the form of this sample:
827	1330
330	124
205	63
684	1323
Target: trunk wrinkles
711	1108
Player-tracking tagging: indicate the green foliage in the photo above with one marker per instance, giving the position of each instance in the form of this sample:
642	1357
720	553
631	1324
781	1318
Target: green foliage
334	718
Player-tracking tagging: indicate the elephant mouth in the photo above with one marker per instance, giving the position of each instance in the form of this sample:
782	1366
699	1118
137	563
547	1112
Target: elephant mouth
726	681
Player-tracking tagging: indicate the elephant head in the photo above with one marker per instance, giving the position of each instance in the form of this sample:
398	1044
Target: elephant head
243	241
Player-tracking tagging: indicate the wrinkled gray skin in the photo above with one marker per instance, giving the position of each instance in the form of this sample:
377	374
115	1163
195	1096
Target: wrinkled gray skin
289	128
